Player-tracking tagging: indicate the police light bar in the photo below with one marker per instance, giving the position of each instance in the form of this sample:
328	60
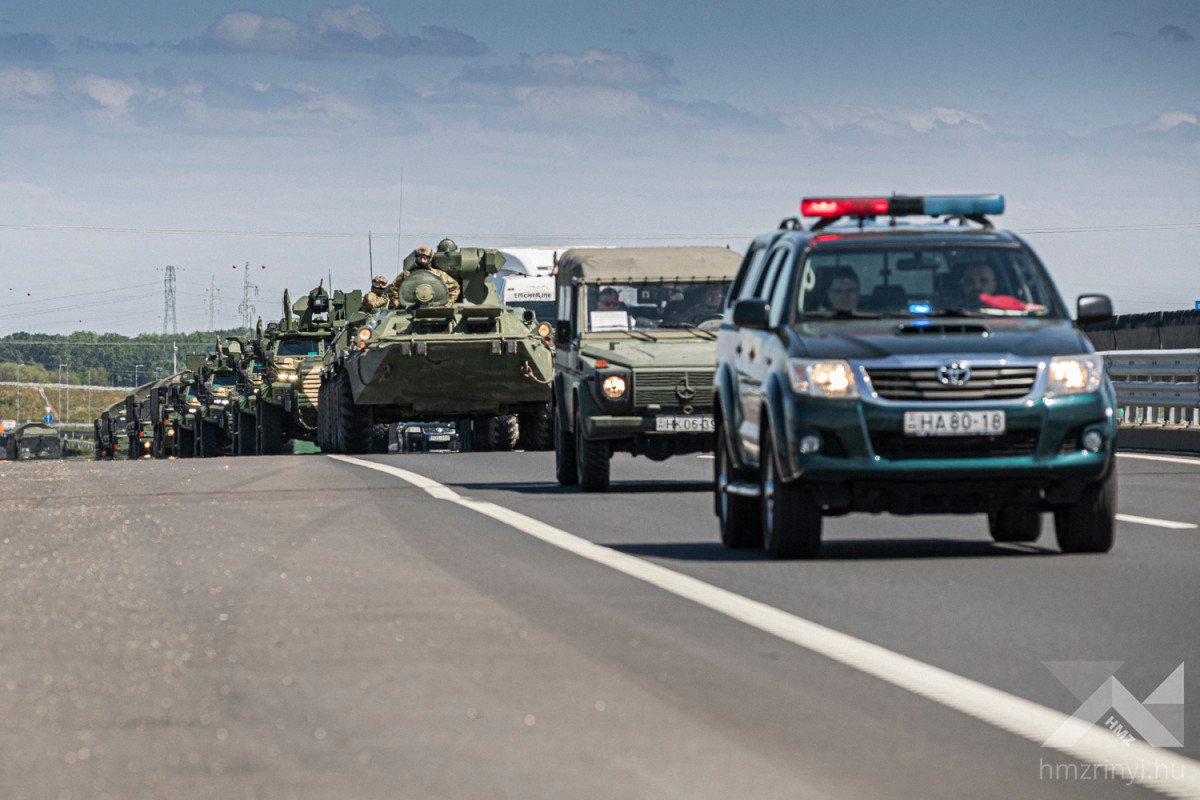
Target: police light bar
961	205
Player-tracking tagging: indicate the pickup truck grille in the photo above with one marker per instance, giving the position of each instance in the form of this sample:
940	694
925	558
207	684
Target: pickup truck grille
985	383
661	387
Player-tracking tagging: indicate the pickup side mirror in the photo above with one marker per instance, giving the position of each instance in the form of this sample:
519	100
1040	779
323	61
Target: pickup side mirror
1093	308
752	313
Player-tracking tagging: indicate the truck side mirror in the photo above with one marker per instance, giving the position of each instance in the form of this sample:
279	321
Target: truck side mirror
562	334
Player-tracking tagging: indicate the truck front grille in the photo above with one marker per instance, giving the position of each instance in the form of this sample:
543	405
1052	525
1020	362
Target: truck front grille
673	388
985	383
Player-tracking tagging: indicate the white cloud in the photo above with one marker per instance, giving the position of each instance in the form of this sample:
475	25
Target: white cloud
244	30
113	95
1172	119
17	83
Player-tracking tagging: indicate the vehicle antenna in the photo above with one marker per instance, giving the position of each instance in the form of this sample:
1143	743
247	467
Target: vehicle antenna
399	222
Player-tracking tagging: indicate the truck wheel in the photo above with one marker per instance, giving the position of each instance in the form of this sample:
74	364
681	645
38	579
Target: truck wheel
268	430
206	439
379	437
1089	525
592	460
354	423
537	428
791	520
502	432
323	413
740	517
564	453
1016	523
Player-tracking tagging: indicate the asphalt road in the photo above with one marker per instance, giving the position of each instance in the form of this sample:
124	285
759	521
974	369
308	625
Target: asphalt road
309	627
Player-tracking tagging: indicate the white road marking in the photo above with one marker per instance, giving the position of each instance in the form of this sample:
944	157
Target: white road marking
1155	768
709	456
1158	523
1195	462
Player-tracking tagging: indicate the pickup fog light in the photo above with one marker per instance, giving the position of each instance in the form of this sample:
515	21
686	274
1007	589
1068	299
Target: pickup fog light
613	386
1074	375
822	378
1093	441
810	443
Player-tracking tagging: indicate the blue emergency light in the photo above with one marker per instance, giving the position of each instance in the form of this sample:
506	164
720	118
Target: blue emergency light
949	205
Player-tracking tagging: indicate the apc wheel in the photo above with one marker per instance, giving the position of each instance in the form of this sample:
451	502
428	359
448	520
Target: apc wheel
537	428
379	437
1089	525
791	521
354	423
324	413
1019	523
740	517
268	430
592	460
502	432
564	454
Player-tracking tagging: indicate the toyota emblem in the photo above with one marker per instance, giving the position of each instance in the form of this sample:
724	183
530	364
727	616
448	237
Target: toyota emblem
954	374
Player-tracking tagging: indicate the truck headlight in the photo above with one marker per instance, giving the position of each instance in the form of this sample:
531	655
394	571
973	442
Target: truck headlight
822	378
1074	375
287	377
614	386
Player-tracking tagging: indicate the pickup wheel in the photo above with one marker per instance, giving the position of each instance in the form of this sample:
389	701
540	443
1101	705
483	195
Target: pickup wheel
1089	525
592	460
269	429
1018	523
791	520
354	423
740	517
564	453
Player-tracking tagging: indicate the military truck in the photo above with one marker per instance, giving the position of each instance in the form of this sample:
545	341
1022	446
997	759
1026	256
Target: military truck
112	432
636	348
474	362
159	416
204	428
280	406
33	440
139	423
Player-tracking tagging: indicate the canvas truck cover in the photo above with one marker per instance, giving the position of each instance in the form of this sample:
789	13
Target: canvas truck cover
639	264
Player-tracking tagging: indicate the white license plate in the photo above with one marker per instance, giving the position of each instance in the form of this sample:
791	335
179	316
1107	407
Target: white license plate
439	437
698	423
953	423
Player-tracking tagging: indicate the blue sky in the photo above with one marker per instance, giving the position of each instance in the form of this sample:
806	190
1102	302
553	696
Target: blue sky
202	132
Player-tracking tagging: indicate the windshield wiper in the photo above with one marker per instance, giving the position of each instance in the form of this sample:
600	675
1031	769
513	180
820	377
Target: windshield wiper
690	327
955	312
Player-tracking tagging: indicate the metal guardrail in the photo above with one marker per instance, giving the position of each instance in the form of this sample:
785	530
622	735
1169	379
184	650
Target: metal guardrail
1156	386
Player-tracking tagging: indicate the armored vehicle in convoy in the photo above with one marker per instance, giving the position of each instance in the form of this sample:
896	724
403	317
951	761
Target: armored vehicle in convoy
281	373
472	361
111	432
636	347
160	414
140	423
33	440
204	428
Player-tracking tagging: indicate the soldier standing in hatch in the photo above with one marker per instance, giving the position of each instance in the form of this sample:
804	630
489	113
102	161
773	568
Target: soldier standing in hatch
377	298
423	259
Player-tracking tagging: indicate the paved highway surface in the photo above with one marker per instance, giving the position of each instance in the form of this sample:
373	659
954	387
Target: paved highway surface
314	627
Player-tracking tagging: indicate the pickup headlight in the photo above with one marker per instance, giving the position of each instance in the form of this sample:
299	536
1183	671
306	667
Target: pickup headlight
822	378
1074	375
614	386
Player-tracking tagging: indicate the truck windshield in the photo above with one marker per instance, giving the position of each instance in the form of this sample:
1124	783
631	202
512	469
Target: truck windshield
642	306
967	281
299	347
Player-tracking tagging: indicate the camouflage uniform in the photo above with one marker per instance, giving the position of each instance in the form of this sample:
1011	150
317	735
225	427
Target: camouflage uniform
452	286
378	297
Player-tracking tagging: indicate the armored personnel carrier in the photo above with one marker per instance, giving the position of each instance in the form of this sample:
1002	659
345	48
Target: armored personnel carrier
474	361
281	373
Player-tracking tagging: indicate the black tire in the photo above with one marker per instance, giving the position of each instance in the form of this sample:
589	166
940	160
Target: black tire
324	409
379	437
244	441
537	428
268	429
592	460
1089	525
502	432
564	453
791	520
740	517
354	423
1015	523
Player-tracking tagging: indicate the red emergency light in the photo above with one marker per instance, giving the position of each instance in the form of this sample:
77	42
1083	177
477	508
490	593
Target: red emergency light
843	206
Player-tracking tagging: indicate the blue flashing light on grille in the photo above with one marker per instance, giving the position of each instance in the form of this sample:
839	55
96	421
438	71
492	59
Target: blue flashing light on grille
964	205
920	308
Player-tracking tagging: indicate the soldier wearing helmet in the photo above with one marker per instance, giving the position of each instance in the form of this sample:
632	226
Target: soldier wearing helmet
377	298
423	259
